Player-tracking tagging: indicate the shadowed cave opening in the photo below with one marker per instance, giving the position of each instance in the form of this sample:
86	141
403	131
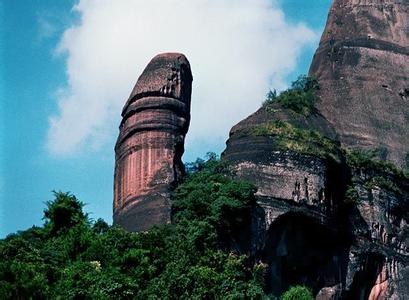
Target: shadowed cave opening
301	251
365	278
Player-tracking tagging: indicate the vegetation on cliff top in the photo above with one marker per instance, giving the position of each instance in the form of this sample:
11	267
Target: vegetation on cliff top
300	98
368	160
73	257
305	141
379	173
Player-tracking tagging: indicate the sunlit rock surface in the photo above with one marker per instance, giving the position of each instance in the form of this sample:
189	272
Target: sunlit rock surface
295	227
150	144
340	229
320	221
362	65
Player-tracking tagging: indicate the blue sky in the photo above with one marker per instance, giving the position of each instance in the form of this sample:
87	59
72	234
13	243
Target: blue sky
60	110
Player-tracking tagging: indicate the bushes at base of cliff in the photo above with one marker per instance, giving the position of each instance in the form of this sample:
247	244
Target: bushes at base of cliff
298	293
212	198
78	258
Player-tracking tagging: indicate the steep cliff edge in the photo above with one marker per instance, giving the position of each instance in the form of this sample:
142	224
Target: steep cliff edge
333	220
331	212
151	143
293	157
378	211
362	65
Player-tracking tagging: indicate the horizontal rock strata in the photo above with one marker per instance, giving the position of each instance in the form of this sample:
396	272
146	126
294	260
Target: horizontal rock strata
362	65
151	143
297	198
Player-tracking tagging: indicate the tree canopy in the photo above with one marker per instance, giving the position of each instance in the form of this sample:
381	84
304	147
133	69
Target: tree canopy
74	257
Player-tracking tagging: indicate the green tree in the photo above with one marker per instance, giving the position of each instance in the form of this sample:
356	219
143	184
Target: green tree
64	212
300	98
298	292
75	258
23	272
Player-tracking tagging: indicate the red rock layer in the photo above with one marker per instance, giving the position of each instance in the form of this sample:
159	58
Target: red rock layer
277	172
151	143
362	65
293	230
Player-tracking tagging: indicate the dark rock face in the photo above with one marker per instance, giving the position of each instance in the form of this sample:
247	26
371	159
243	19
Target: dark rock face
362	65
306	227
379	257
322	221
295	230
151	143
278	171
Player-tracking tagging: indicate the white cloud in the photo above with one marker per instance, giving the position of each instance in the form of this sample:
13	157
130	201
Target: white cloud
237	50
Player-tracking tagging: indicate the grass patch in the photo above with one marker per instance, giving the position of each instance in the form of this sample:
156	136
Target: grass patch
304	141
387	174
364	159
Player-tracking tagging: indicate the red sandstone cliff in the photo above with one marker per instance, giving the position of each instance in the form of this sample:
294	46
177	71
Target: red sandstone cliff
362	65
151	143
293	230
306	227
339	228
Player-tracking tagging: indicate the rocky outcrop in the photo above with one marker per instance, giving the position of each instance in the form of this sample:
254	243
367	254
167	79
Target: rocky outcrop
327	216
332	220
378	266
151	143
263	147
362	65
295	162
331	215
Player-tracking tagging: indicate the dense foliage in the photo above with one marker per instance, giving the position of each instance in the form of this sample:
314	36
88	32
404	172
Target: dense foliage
351	195
300	98
298	293
73	257
369	160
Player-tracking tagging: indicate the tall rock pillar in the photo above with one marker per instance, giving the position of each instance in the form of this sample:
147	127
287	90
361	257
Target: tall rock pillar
362	65
151	143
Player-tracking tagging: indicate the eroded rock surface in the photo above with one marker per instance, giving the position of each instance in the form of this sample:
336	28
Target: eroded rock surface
151	143
279	172
334	221
322	219
362	65
379	256
339	228
296	218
